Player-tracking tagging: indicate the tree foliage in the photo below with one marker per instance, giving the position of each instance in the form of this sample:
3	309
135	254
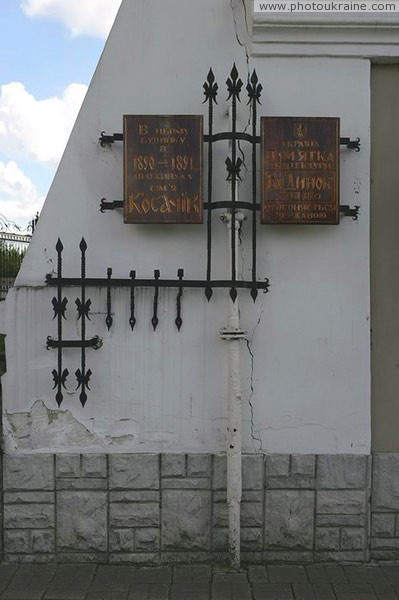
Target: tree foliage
10	259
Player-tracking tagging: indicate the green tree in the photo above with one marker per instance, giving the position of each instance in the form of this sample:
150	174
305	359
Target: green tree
10	259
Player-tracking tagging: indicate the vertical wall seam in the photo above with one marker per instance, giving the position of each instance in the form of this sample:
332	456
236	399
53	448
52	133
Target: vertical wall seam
108	495
55	509
315	488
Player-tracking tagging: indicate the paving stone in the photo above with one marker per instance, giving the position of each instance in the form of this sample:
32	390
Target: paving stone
29	472
323	591
341	471
185	589
373	574
67	465
111	583
252	472
134	471
149	591
385	592
357	573
173	465
6	574
159	575
29	582
335	574
190	572
316	573
82	521
199	465
303	591
231	586
272	591
186	516
71	582
353	591
391	573
287	574
289	519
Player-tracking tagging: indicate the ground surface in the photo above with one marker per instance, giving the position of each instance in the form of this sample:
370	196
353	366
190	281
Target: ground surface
103	582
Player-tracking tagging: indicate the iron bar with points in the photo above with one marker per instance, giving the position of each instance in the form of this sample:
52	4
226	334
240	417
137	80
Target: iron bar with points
132	320
83	376
109	319
59	306
179	320
155	319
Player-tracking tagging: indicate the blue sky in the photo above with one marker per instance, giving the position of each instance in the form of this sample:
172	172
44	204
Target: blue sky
49	50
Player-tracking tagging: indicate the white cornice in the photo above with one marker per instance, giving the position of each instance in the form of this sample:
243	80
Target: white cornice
316	35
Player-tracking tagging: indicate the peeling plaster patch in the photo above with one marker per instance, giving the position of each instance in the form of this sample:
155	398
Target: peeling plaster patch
55	429
43	427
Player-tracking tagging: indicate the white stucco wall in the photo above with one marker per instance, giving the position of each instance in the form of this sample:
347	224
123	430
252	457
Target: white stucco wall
306	371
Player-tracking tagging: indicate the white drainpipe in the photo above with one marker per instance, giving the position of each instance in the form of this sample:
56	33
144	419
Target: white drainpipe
233	334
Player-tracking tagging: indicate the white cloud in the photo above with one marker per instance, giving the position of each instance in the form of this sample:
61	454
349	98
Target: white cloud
81	17
37	129
19	198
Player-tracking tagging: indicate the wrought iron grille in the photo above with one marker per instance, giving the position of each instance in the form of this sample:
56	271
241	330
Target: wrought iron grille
233	164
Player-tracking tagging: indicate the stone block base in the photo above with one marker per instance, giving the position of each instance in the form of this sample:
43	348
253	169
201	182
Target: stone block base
152	509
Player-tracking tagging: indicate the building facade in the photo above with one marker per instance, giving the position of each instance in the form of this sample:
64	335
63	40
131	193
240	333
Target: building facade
138	474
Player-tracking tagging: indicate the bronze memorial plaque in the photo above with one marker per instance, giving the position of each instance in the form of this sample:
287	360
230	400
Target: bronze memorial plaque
163	169
300	170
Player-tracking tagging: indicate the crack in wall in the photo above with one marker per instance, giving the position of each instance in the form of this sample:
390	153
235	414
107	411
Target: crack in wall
251	406
243	45
248	341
